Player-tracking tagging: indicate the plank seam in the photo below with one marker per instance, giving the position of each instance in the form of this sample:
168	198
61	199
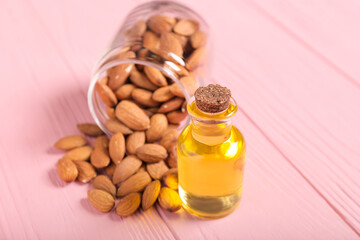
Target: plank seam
167	224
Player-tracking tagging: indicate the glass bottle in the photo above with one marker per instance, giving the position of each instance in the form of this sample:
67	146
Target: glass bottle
211	158
130	49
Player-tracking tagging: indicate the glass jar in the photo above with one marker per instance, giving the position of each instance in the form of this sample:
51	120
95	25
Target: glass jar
161	45
211	158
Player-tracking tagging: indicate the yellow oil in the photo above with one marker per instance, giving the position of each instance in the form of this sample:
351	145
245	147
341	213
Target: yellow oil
211	157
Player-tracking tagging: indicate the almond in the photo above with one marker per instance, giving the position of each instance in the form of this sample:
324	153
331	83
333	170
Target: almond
169	199
160	24
124	92
150	194
184	107
151	42
176	117
176	68
198	39
127	167
169	139
79	154
162	94
142	54
186	27
67	169
137	30
148	112
158	125
128	204
117	147
104	183
70	142
171	160
196	59
101	200
153	109
168	19
133	116
176	90
170	178
140	80
100	157
135	183
86	171
101	142
110	170
137	45
118	74
106	94
104	80
171	105
135	140
170	46
157	170
189	84
183	40
155	76
115	126
143	97
142	169
90	129
171	127
110	112
151	153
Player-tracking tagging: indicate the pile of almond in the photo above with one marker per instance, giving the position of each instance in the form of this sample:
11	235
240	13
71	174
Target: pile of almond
128	169
137	165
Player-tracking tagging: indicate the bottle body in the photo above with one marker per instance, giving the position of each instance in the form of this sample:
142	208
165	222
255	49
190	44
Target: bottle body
211	158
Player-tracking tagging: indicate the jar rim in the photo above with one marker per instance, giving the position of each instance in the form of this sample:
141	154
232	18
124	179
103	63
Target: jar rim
93	103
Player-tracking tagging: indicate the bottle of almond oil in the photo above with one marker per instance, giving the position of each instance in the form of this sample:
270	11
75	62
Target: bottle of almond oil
211	155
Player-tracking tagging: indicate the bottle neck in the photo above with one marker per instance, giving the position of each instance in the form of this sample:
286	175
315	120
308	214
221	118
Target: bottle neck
211	132
211	129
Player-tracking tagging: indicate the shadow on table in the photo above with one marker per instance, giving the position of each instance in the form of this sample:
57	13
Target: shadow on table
180	215
55	180
84	202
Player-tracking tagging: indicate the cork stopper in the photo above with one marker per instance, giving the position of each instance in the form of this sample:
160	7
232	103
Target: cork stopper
212	98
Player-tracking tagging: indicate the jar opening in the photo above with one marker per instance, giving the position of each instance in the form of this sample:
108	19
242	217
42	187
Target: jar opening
98	108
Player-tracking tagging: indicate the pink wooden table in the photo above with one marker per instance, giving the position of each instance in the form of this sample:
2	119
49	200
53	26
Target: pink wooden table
293	66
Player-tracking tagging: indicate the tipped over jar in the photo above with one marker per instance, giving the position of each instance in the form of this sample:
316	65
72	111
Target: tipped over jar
155	62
